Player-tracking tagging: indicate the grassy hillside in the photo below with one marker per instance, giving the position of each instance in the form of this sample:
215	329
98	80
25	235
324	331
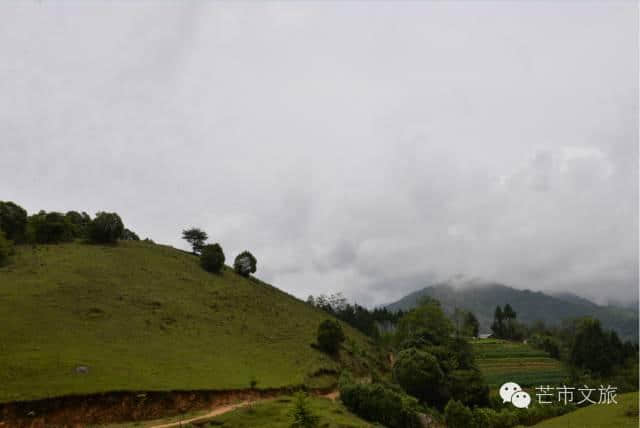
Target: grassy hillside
530	306
502	361
147	317
621	415
277	414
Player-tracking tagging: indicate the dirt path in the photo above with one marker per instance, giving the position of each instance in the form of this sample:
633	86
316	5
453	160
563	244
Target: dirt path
333	396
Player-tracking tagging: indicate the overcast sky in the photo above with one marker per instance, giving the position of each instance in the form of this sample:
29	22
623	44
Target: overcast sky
368	147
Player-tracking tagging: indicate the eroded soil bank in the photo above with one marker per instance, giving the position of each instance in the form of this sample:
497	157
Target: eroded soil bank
113	407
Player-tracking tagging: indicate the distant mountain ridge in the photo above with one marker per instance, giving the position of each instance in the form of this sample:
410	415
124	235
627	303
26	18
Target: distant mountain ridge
529	305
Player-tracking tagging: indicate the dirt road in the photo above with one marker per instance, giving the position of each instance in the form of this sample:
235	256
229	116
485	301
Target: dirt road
333	395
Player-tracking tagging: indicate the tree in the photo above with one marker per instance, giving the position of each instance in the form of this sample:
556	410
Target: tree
420	375
245	263
497	326
427	321
330	336
196	237
80	223
471	326
591	348
212	258
457	415
106	228
13	221
49	228
6	249
129	235
303	417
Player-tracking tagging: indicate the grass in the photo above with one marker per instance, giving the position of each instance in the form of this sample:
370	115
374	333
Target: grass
147	317
621	415
277	414
502	361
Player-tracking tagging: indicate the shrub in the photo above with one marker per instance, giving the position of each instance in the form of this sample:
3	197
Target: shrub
420	375
245	263
469	387
212	258
13	221
49	228
80	223
377	403
6	249
457	415
106	228
302	415
129	235
196	237
330	336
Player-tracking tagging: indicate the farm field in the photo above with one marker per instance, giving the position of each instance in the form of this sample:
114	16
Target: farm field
147	317
621	415
503	361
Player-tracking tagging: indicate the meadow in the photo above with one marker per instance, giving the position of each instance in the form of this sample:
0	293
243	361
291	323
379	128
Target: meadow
142	316
503	361
621	415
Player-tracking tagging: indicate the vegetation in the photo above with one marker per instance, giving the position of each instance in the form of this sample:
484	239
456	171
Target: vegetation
370	322
420	375
457	415
212	258
380	403
106	228
196	238
502	361
621	415
303	416
278	414
245	263
481	299
49	228
330	336
147	317
6	249
13	221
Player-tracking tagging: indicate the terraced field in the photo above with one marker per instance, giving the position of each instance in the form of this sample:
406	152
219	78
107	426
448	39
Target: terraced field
503	361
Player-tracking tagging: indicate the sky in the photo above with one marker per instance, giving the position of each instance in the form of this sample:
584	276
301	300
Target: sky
364	147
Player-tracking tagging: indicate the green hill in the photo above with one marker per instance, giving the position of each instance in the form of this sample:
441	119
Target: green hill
621	415
141	316
530	306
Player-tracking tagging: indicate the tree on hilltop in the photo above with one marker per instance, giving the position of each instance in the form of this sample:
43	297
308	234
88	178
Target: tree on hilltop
196	237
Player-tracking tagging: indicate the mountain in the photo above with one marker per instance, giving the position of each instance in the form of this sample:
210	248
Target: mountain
530	306
81	319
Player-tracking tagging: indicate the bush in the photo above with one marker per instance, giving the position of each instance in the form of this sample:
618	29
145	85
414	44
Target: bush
106	228
212	258
330	336
302	415
80	223
129	235
376	403
49	228
420	375
6	249
245	263
13	221
457	415
469	387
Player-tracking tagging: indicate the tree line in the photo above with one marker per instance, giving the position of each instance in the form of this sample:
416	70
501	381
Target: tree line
17	228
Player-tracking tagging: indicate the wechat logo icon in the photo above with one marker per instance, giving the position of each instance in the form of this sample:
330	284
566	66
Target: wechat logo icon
511	392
